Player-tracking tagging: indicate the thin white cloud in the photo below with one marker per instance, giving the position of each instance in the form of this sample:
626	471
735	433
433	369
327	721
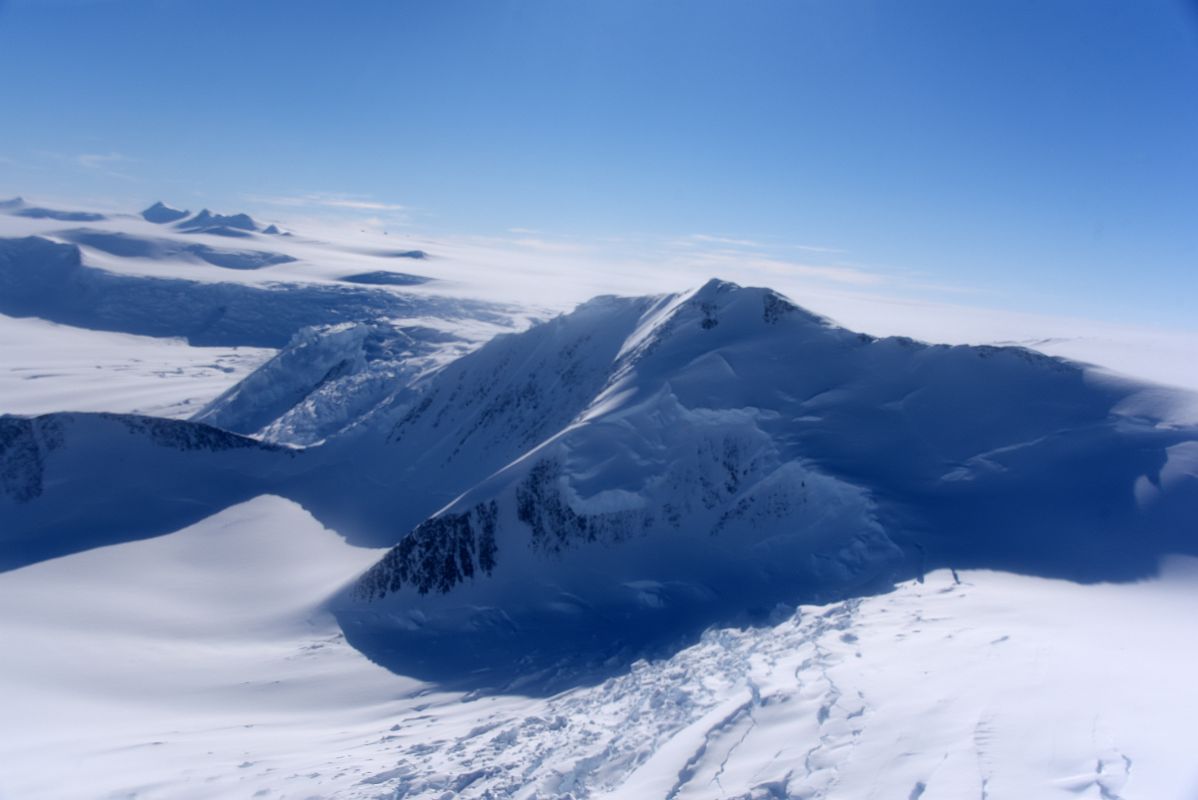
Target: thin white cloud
101	163
697	239
365	205
835	273
709	239
811	248
327	200
546	246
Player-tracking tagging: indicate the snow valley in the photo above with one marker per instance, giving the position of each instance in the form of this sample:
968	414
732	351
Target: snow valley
291	515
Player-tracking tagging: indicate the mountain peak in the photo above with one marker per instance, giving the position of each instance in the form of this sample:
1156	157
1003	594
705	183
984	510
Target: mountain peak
719	300
160	214
228	224
714	288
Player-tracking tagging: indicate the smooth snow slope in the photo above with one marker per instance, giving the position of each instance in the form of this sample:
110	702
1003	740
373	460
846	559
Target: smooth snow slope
189	666
199	665
48	367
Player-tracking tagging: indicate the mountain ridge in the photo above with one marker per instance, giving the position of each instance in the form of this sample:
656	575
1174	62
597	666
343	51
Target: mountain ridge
643	467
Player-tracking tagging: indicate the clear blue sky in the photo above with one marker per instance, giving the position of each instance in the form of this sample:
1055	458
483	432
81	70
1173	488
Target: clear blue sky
1045	151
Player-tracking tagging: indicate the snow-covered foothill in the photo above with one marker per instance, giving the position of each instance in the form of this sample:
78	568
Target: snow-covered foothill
327	379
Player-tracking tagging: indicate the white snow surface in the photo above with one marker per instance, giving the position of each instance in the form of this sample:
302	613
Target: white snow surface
200	665
48	367
209	661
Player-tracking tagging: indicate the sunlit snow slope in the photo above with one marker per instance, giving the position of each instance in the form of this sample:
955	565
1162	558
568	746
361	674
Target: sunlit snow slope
199	665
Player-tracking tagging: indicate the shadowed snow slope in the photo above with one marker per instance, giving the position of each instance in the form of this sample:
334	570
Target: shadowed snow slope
616	479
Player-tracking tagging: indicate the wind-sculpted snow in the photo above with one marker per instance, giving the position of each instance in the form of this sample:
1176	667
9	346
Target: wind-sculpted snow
49	280
125	245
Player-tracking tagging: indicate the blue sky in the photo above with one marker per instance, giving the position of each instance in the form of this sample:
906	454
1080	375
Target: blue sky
1041	155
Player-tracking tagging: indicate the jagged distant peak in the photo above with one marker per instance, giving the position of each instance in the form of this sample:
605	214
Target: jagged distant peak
160	213
12	203
207	220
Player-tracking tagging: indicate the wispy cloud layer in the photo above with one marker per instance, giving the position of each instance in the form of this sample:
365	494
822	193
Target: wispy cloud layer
111	164
334	200
102	161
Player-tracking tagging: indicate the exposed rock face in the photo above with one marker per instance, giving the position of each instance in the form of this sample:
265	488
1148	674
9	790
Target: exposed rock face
438	555
183	435
23	445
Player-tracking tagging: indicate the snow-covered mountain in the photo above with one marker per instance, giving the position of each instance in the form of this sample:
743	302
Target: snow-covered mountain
642	467
700	544
220	224
725	450
160	213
